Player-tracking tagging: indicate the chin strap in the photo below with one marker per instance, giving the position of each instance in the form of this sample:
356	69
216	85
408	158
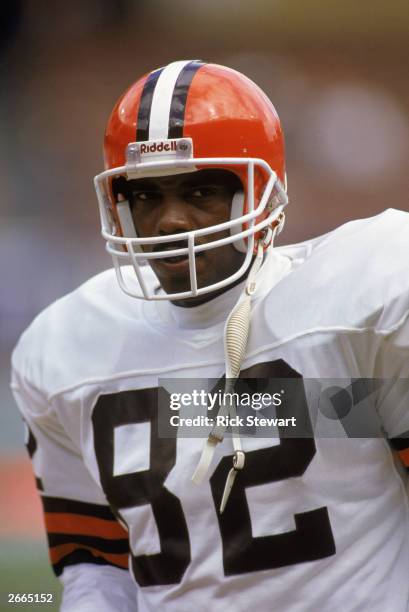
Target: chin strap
236	334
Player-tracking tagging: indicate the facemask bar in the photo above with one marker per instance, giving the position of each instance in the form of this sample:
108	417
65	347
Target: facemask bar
274	199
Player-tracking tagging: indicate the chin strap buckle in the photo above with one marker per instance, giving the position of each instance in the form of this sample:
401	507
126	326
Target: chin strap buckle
281	221
206	457
238	464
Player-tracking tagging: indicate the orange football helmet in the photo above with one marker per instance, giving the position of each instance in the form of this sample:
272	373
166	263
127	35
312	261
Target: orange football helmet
184	117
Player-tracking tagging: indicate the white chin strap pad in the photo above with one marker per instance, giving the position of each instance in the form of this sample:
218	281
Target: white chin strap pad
125	219
237	205
127	224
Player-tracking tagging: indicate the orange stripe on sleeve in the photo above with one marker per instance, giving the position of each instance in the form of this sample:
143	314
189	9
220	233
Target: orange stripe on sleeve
62	550
60	522
404	456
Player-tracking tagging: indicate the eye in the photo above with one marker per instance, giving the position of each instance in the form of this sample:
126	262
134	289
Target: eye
202	192
145	196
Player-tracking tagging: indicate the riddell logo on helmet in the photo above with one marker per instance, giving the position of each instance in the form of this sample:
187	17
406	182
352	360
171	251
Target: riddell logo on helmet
147	151
158	147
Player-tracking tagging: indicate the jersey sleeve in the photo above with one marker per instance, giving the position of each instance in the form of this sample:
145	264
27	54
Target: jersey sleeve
88	547
88	588
393	400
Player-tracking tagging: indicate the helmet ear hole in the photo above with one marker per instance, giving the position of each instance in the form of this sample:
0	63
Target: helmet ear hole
119	187
237	210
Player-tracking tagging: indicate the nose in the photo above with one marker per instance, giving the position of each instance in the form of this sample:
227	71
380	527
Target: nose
173	216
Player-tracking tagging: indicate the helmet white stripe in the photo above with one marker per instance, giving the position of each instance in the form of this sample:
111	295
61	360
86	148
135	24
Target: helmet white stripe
162	99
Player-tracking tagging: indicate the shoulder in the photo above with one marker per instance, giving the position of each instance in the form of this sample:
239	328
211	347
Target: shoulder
369	259
353	277
71	338
387	229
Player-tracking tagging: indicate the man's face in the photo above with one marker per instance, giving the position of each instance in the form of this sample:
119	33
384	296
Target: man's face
170	205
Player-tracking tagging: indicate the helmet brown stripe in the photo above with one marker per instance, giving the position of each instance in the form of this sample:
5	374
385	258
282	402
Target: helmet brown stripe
178	105
144	112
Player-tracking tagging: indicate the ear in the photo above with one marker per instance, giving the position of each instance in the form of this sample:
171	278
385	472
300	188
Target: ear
237	205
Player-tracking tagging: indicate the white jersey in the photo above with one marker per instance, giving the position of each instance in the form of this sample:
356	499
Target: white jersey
311	524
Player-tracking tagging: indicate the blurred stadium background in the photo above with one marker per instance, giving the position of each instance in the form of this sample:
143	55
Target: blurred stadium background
336	71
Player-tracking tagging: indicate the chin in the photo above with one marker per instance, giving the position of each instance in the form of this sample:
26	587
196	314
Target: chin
175	284
174	277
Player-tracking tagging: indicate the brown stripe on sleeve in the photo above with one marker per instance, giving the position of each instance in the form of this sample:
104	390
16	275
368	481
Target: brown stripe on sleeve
80	532
63	550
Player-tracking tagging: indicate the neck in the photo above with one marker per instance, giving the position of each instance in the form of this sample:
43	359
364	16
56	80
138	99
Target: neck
202	299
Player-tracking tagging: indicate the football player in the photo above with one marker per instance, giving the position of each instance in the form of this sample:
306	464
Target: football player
192	196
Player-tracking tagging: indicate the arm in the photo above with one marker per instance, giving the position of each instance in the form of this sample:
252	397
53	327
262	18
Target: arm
88	547
88	588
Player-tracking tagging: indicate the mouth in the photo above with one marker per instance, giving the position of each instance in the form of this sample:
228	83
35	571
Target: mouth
176	259
171	246
176	262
